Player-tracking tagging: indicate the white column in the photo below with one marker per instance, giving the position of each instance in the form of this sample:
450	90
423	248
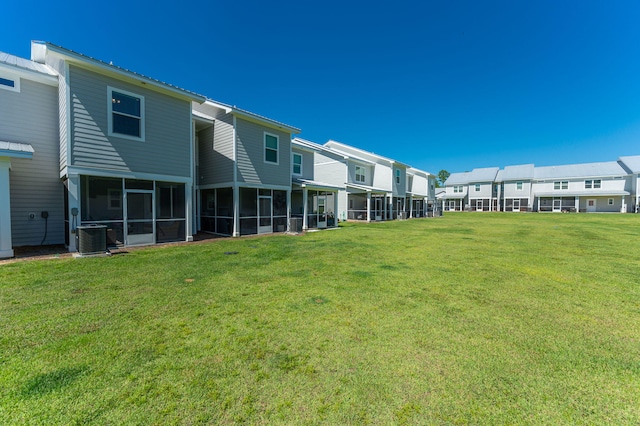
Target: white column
189	212
73	189
236	211
305	208
499	197
623	208
368	206
577	203
6	249
410	206
538	204
288	210
391	207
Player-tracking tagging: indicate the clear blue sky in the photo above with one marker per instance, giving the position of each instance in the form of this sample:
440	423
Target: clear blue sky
436	84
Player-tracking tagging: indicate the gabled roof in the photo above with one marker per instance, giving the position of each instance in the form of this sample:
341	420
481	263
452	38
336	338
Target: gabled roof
303	143
486	174
457	179
252	116
609	168
349	150
632	163
40	48
524	172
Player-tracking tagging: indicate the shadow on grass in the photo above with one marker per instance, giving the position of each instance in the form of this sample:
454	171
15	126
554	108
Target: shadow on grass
49	382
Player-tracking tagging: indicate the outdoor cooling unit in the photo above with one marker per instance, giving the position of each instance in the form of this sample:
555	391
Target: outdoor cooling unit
295	224
92	239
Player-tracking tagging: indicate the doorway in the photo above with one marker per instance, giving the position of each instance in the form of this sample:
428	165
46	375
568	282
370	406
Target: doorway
265	220
138	217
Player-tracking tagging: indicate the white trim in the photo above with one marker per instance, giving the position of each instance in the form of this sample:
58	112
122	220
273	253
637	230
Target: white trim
110	113
264	151
31	75
76	171
67	94
9	76
293	164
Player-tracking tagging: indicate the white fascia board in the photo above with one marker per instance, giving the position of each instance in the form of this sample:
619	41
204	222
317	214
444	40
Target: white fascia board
50	80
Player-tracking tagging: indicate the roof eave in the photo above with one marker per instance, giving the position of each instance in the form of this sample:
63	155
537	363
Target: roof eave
105	68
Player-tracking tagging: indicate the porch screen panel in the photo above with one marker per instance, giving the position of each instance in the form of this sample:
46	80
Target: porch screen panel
170	212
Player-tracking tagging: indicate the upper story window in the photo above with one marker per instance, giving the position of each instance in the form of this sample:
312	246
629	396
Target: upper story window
564	184
398	176
360	174
595	183
126	114
271	148
297	164
477	187
457	188
519	186
10	83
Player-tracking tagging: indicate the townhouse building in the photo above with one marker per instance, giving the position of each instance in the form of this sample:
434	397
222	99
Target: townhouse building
592	187
376	185
243	170
83	142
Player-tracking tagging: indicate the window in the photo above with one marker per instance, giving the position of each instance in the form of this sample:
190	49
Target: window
398	176
477	187
560	185
610	201
588	184
457	188
597	183
10	83
297	164
360	174
270	148
115	199
126	114
519	186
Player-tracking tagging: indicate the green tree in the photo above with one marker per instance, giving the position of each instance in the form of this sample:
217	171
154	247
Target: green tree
443	175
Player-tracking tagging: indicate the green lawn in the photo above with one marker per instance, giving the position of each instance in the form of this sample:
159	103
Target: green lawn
465	319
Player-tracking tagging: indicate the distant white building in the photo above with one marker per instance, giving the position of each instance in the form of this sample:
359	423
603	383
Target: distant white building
610	187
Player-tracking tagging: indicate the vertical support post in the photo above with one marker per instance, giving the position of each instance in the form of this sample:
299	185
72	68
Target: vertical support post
6	244
288	210
368	206
305	209
236	211
189	211
577	204
73	191
410	207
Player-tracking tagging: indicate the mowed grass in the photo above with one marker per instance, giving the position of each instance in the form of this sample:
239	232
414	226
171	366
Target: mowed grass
465	319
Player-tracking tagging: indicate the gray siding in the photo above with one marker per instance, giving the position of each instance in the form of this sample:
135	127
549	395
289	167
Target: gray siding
31	116
166	149
307	163
215	151
252	168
